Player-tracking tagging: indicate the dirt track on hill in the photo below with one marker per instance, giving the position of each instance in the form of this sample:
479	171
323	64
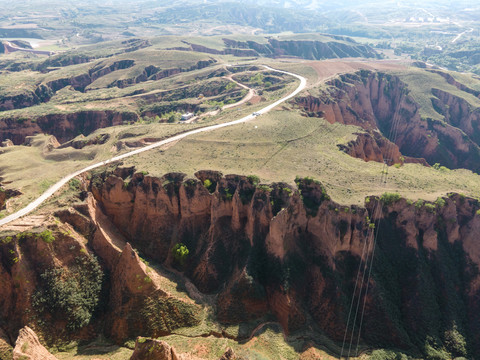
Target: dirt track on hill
54	188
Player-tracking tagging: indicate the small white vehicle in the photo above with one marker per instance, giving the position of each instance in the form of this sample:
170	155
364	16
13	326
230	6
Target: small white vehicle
256	113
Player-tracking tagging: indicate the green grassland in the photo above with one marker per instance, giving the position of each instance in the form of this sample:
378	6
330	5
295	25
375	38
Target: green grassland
421	83
32	169
276	146
284	144
268	344
280	145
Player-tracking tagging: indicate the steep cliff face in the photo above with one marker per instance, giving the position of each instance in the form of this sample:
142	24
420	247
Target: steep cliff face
36	96
269	249
261	249
76	285
337	47
63	126
379	101
41	272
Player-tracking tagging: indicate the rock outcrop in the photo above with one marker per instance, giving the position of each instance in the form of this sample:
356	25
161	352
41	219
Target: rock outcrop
380	101
6	143
150	349
28	346
372	146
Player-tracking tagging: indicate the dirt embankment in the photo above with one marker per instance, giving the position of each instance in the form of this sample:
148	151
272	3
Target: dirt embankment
380	102
6	194
63	126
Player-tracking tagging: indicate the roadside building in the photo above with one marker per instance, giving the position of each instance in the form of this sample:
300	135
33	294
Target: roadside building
186	116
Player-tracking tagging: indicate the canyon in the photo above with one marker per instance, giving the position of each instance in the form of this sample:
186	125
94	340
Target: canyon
381	104
258	249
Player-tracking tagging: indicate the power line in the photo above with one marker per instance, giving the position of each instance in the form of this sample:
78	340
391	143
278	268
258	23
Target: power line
371	240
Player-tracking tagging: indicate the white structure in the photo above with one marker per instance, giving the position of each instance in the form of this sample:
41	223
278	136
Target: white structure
186	116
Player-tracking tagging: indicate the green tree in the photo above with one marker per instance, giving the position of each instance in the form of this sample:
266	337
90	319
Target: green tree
180	253
172	118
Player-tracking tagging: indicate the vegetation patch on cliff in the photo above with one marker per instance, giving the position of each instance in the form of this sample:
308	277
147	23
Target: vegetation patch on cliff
72	294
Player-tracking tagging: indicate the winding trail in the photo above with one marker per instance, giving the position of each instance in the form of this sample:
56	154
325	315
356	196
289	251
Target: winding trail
54	188
248	97
461	34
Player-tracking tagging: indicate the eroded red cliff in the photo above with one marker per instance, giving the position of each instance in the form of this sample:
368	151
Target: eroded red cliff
266	248
291	254
377	101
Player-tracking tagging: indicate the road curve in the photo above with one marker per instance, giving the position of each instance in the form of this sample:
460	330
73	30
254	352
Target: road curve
54	188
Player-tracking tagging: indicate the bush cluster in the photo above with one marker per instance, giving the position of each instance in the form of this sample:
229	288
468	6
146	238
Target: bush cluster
70	294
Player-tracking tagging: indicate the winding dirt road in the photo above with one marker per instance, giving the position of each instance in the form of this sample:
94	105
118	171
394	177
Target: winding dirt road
54	188
248	97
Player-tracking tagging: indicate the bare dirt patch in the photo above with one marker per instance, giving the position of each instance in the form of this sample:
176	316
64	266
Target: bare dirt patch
329	68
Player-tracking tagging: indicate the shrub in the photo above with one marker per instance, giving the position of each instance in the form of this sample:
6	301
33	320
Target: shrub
228	194
209	185
167	314
435	354
258	79
419	204
74	184
264	188
253	179
441	168
387	355
455	342
440	202
47	236
180	253
390	198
